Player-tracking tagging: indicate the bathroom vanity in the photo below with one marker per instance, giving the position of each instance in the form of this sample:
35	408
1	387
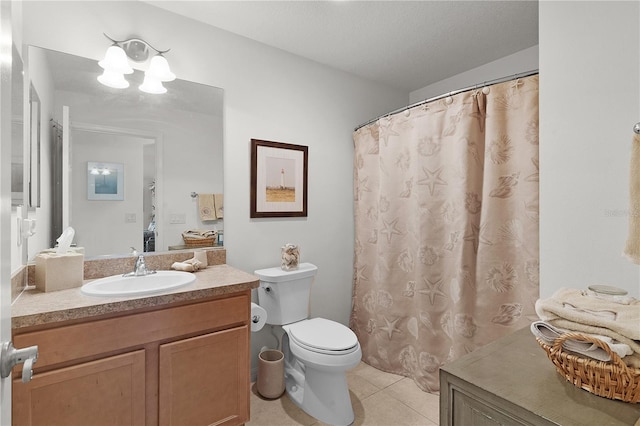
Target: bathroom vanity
181	357
512	382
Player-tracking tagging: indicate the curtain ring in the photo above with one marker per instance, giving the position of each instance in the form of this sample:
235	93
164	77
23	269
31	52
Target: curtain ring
449	99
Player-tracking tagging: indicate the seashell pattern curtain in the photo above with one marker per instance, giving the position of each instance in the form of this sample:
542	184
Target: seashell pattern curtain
446	228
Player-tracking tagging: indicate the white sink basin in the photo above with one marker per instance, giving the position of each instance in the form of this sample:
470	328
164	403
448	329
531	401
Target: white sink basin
118	285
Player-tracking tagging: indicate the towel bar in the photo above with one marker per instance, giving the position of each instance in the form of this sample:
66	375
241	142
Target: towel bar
636	128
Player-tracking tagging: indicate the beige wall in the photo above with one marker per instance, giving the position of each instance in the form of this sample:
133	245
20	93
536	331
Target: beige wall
589	102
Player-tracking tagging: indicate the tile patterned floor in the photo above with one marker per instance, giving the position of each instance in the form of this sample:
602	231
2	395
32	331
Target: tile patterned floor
378	398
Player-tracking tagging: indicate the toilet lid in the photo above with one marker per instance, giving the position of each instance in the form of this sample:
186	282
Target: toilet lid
323	334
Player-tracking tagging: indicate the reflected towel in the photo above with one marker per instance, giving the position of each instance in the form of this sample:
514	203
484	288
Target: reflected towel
219	202
207	207
632	248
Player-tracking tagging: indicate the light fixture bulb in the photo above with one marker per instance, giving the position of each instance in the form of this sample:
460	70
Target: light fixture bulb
152	85
159	69
116	60
113	79
94	171
106	171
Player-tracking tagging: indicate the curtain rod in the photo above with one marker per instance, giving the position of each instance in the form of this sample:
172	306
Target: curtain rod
455	92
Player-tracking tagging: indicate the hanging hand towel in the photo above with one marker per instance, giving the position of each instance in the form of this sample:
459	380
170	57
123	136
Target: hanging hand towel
219	201
632	249
207	207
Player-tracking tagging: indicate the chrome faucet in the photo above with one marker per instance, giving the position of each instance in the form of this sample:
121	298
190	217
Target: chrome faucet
140	268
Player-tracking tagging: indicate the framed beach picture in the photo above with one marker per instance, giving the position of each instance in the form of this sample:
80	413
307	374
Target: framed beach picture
105	181
278	179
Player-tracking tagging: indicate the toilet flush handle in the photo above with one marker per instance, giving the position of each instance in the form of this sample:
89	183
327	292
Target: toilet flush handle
266	287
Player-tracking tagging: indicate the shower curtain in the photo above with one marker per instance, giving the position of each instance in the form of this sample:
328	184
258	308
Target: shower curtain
446	228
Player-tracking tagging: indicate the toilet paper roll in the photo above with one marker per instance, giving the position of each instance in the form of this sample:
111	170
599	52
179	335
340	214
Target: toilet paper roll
258	317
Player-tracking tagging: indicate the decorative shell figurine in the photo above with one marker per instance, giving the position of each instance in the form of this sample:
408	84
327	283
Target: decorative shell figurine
290	257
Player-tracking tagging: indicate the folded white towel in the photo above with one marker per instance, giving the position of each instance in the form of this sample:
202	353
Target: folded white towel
548	334
190	265
575	310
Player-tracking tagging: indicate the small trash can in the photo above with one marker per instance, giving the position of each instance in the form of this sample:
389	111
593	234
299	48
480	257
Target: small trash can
270	381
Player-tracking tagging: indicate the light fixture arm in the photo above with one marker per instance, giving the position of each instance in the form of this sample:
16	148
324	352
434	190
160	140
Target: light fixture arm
116	64
135	48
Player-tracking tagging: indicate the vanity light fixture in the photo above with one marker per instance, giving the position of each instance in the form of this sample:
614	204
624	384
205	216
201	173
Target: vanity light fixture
97	171
116	64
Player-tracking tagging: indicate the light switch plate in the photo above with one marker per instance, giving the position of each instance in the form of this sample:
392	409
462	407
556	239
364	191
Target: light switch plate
129	218
177	218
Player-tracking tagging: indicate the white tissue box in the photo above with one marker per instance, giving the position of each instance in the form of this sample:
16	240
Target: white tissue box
59	271
71	250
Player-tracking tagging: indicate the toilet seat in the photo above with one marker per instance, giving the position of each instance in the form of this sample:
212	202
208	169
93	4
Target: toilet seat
324	336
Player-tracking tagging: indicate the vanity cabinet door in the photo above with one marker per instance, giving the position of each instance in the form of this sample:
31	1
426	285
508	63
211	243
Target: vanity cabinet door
204	380
108	391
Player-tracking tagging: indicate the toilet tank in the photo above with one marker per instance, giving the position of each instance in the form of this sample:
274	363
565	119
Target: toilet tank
285	294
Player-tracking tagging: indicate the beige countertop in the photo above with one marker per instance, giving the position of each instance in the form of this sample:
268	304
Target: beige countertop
34	307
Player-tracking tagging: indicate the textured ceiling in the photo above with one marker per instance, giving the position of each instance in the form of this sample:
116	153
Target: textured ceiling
402	44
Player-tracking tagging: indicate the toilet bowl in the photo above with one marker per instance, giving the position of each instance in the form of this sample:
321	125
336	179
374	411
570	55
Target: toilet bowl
317	351
316	365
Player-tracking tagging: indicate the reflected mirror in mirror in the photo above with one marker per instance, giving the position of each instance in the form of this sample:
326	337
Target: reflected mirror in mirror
34	147
169	146
17	130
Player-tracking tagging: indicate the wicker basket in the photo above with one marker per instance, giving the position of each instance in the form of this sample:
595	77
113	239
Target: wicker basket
195	241
613	380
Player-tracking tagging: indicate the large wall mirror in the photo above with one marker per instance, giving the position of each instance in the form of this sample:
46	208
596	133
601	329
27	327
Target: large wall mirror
152	151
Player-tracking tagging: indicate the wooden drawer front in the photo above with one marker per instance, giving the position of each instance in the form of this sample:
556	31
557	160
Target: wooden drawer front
109	391
205	380
93	338
468	409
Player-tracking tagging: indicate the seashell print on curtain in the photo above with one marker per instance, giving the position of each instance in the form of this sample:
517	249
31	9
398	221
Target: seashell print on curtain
446	228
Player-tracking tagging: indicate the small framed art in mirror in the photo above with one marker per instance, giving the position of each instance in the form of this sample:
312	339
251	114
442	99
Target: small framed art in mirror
278	179
105	181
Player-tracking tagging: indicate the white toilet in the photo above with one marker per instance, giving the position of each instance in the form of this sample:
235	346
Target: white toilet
317	351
